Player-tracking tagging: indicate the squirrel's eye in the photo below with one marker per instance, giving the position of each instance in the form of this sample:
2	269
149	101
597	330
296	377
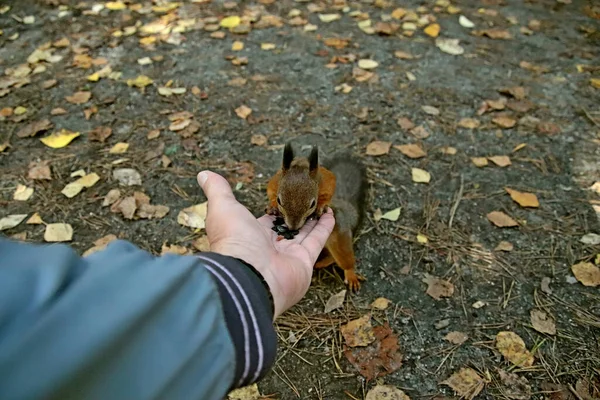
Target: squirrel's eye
278	200
313	203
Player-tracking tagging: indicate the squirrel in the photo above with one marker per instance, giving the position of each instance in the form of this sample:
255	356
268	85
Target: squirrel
302	189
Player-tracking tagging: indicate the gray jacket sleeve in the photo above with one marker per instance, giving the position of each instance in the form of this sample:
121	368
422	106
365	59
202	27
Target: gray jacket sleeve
124	324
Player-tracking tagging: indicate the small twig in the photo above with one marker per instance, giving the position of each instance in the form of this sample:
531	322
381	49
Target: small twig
587	114
572	389
456	202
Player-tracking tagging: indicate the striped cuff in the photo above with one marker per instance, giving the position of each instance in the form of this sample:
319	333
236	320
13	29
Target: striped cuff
248	314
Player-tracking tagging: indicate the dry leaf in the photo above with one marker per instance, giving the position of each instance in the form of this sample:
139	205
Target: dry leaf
335	301
79	97
193	216
466	383
34	128
201	243
358	332
449	46
504	121
119	148
420	175
465	22
180	125
60	139
100	244
456	337
391	215
153	134
449	150
381	303
411	150
329	17
515	387
258	140
501	220
367	64
100	134
378	148
438	288
512	347
430	110
494	33
150	211
524	199
39	171
590	238
420	132
58	233
111	197
403	55
422	238
469	123
432	30
504	246
587	273
35	220
405	123
243	111
22	193
175	249
250	392
479	161
237	46
386	392
127	176
268	46
11	221
542	322
74	188
501	161
140	81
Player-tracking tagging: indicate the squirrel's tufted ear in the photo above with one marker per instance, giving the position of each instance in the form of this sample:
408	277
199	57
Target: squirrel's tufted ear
288	156
313	160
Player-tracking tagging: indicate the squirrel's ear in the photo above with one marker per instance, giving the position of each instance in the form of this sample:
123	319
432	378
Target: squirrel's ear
288	156
313	159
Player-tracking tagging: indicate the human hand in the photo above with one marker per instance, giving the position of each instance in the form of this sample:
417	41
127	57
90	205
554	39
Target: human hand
285	265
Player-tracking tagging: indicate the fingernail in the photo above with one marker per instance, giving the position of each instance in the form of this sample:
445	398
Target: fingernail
202	177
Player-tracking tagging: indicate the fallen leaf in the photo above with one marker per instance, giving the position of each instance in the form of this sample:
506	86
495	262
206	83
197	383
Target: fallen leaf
243	111
150	211
34	128
58	233
500	161
515	387
237	82
100	244
344	88
420	175
230	22
411	150
153	134
590	238
127	176
465	22
391	215
336	43
329	17
237	46
258	140
504	121
115	5
167	91
422	238
141	81
438	288
74	188
539	69
512	347
449	46
250	392
379	358
449	150
386	392
548	128
432	30
100	134
405	123
367	64
478	304
501	220
268	46
175	249
194	216
39	171
35	220
504	246
479	161
378	148
430	110
587	273
79	97
524	199
542	322
126	206
20	110
60	139
466	382
58	111
420	132
119	148
22	193
201	243
358	332
456	337
381	303
11	221
595	82
179	125
335	301
494	33
545	285
403	55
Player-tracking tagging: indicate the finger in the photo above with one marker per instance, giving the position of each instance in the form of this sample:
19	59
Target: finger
305	230
266	221
316	239
215	187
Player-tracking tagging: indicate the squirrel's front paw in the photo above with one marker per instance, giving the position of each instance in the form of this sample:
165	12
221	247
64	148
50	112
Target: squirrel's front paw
270	210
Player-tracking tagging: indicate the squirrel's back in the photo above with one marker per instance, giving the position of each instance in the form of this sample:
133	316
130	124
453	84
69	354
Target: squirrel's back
350	189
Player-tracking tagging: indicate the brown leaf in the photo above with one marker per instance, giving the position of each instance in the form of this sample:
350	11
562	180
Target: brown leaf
456	337
34	128
79	97
545	285
403	55
548	128
180	125
515	387
386	392
501	220
405	123
379	358
358	332
501	161
542	322
381	303
411	150
449	150
125	206
100	134
100	244
469	123
201	243
243	111
39	171
504	121
58	111
587	273
494	33
148	211
237	82
111	197
420	132
479	161
521	106
386	28
524	199
335	301
438	288
153	134
498	104
336	43
504	246
466	383
88	112
49	83
378	148
258	140
175	249
518	92
540	69
512	347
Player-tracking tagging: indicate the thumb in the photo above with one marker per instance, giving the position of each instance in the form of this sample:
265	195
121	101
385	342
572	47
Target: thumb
215	187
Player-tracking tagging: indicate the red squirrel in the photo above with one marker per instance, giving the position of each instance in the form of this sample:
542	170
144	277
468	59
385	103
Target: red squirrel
302	189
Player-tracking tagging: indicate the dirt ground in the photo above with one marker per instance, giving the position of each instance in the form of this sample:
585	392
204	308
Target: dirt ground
526	86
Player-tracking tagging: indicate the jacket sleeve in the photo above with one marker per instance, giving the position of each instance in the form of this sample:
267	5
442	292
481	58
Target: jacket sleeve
124	324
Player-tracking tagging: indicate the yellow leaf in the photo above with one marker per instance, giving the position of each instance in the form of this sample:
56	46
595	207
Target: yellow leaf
422	238
23	193
58	233
19	110
513	348
115	5
230	22
74	188
35	220
329	17
595	82
95	77
59	139
147	40
243	111
392	215
587	273
193	216
432	30
479	161
267	46
380	303
141	81
237	46
367	64
166	7
119	148
523	199
420	175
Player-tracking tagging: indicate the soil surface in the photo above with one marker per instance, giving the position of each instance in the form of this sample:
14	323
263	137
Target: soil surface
525	86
